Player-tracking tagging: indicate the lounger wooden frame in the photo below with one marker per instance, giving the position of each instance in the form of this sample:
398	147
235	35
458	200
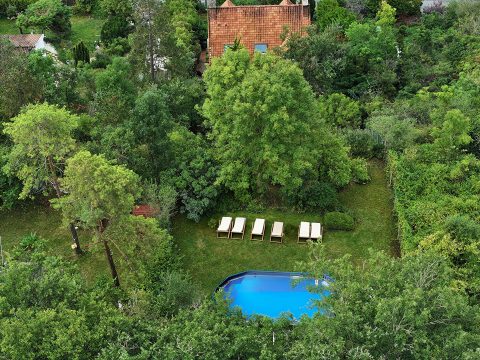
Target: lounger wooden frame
276	238
227	231
252	235
241	233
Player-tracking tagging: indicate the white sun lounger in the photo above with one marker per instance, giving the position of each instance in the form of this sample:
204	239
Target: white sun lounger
224	227
304	231
316	232
258	229
277	232
238	228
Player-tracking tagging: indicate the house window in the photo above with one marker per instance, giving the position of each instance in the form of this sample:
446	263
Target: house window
261	48
226	46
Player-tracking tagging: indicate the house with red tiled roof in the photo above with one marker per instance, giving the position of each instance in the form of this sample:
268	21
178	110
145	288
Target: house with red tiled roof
27	42
257	27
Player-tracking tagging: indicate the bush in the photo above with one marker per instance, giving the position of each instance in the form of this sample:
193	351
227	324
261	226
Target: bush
115	27
6	6
174	291
340	111
338	221
11	11
362	143
360	171
84	7
403	7
118	47
317	196
397	134
46	14
162	198
80	53
101	60
330	12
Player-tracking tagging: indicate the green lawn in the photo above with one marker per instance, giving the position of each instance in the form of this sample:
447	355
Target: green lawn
8	27
47	223
84	28
210	260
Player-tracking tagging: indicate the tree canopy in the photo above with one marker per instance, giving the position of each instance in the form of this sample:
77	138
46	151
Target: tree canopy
46	14
264	127
42	137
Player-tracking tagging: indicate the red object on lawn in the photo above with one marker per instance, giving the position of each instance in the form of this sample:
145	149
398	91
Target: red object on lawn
144	210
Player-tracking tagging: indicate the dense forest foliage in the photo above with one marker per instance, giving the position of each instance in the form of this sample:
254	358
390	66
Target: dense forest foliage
99	129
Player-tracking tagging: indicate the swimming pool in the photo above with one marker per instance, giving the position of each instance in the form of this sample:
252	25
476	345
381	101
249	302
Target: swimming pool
272	293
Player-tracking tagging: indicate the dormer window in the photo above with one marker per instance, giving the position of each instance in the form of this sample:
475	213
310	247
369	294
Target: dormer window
261	48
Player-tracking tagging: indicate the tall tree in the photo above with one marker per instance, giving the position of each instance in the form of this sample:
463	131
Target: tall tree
163	39
115	94
330	12
19	86
322	57
405	307
265	126
98	193
46	15
42	142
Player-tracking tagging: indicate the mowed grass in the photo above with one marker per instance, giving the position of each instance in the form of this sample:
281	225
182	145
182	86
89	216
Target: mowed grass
47	223
84	28
8	27
210	260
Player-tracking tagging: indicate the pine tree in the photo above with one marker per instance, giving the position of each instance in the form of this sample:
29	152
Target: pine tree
81	53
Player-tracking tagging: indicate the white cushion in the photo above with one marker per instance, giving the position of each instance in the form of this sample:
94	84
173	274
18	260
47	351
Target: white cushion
225	224
277	230
239	225
258	227
304	230
316	232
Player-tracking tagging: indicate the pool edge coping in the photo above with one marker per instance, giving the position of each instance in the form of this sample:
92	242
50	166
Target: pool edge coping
257	272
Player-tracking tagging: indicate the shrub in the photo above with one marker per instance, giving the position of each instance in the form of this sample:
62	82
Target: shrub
46	14
81	53
174	291
29	242
403	7
360	171
338	221
340	111
397	134
18	5
118	47
101	60
11	11
330	12
115	27
84	6
362	143
162	198
317	196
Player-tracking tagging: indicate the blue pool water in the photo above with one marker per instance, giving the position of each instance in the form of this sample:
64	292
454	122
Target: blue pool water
272	293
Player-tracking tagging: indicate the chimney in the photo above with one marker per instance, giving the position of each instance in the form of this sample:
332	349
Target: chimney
211	4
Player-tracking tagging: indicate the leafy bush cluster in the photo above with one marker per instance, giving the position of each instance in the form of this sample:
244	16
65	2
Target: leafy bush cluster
338	221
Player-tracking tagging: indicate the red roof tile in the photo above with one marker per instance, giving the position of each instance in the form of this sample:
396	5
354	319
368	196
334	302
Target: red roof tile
26	41
254	25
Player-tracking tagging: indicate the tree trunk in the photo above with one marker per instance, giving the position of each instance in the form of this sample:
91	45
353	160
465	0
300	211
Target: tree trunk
150	45
109	255
56	186
76	242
